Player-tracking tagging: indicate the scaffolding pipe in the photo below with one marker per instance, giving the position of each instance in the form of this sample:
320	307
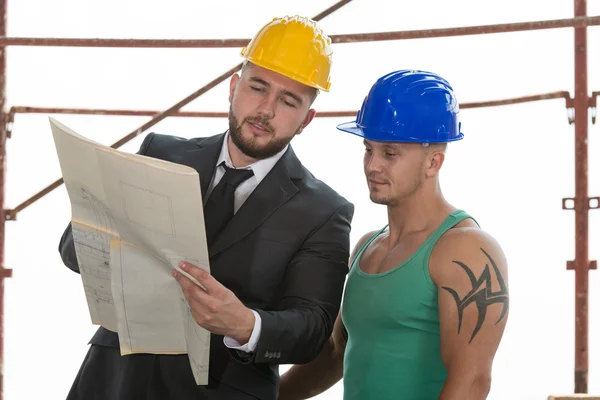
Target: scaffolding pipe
4	272
577	22
220	114
581	203
145	113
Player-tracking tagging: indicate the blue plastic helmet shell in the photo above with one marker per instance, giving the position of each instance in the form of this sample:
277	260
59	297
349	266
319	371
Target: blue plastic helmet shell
408	106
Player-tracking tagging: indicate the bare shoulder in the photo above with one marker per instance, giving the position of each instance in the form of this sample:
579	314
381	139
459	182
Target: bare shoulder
360	243
468	255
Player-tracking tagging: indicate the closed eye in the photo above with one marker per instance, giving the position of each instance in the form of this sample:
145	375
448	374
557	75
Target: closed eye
289	104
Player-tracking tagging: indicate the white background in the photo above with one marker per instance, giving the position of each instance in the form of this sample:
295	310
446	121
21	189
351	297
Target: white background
511	171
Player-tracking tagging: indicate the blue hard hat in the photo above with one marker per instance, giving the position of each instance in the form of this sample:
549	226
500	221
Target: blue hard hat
408	106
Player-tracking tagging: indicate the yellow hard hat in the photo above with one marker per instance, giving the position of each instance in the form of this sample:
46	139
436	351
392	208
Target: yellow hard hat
294	47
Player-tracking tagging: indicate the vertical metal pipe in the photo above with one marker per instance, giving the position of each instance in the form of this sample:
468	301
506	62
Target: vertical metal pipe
582	263
4	273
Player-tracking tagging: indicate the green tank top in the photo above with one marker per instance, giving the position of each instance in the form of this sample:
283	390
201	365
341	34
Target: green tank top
393	349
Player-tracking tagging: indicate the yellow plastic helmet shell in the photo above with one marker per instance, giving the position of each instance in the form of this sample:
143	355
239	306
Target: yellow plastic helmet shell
295	47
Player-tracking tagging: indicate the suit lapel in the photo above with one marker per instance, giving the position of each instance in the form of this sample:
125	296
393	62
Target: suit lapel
204	160
273	191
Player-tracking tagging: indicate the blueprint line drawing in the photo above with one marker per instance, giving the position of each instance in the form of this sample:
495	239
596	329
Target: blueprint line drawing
100	296
96	273
92	233
155	204
124	302
93	238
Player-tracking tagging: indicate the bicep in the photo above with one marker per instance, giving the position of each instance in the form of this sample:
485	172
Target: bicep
473	306
339	335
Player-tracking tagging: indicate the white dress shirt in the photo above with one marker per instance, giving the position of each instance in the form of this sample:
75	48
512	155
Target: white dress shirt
260	169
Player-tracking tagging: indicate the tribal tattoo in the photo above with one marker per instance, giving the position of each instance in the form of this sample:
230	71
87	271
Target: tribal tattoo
481	294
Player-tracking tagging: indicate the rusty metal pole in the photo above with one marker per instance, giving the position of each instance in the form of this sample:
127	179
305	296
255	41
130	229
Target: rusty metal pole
4	273
346	38
581	204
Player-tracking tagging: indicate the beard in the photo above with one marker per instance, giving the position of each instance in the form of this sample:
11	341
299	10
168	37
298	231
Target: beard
394	201
251	146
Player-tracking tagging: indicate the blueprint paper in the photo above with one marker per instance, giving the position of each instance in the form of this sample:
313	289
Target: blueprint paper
134	218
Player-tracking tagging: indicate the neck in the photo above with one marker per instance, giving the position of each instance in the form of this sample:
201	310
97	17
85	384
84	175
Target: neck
423	211
238	158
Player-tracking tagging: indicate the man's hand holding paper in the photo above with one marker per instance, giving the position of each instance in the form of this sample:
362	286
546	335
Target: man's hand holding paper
216	309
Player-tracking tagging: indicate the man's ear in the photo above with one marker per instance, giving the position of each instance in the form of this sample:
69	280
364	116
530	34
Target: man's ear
435	160
232	84
309	117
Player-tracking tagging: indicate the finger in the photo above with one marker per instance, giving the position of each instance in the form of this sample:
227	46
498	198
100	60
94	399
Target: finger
191	290
181	271
204	278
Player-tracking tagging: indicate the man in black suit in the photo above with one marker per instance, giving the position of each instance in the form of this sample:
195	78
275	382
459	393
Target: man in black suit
278	238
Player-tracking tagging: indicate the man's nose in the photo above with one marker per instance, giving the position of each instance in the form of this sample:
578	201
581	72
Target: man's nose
267	107
373	164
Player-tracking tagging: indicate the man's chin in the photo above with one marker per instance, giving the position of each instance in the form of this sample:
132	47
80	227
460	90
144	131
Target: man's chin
254	143
379	199
254	149
258	147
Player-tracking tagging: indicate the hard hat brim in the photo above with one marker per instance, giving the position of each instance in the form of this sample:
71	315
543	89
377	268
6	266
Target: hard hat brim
353	128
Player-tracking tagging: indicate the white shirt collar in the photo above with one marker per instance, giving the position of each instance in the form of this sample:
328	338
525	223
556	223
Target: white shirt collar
260	168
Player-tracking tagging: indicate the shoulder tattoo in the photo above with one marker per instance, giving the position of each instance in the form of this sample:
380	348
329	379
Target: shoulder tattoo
481	294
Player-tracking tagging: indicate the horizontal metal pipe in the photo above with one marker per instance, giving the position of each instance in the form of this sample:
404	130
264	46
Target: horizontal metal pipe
577	22
144	113
216	114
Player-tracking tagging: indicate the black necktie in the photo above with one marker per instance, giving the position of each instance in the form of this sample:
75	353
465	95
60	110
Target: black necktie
219	207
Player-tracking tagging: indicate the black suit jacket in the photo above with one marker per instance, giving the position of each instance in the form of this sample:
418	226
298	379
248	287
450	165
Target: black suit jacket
284	254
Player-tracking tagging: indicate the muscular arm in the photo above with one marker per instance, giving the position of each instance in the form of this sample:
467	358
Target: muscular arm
470	271
307	380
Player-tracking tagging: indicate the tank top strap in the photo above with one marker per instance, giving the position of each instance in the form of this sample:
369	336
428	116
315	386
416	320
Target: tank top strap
365	245
451	221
